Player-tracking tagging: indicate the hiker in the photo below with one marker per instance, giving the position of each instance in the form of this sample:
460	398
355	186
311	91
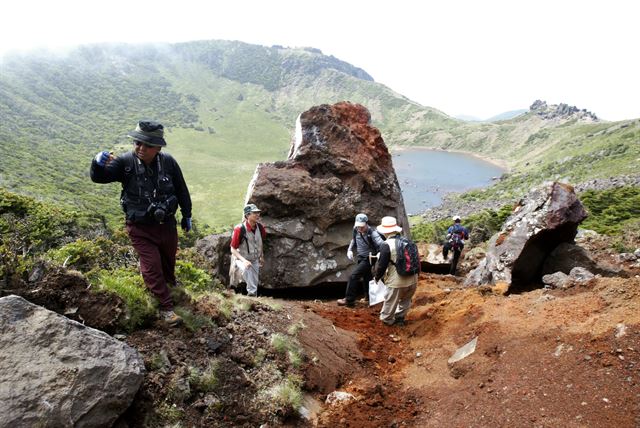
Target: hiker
400	288
152	189
246	251
456	234
366	242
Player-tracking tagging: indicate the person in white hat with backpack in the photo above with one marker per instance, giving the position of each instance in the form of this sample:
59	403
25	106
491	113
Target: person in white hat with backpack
400	288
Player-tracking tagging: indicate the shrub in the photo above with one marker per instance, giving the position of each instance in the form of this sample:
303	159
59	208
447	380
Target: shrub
204	380
285	344
611	211
193	322
288	393
85	255
130	287
195	280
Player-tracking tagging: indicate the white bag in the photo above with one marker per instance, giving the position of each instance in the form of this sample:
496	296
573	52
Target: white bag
377	290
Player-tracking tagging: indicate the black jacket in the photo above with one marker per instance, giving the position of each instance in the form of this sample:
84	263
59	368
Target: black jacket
144	188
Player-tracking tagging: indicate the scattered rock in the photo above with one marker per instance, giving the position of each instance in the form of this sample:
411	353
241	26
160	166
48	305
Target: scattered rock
464	351
557	280
580	274
339	397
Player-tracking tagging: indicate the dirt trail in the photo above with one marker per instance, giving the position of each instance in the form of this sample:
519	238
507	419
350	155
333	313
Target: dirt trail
543	358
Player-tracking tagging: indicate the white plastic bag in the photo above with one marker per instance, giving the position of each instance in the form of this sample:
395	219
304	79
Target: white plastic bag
377	290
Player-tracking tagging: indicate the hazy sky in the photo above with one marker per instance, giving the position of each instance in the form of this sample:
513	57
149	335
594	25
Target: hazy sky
474	57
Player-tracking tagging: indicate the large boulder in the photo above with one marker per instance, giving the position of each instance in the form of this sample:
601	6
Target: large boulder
545	218
338	165
57	372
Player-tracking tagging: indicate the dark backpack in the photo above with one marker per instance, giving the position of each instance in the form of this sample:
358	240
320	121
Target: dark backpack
407	258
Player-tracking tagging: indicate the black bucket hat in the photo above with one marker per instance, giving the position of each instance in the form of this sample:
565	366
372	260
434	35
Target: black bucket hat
149	132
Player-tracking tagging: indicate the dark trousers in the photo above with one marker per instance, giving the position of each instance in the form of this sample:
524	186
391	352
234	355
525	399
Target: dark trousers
156	245
457	250
359	280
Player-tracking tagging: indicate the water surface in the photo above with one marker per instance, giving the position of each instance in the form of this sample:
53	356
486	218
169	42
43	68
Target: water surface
426	175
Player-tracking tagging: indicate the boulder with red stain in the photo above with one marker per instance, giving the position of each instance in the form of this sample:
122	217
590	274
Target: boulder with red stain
338	166
545	218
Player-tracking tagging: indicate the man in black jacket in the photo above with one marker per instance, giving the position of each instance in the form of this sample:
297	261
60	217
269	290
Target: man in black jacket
152	189
366	242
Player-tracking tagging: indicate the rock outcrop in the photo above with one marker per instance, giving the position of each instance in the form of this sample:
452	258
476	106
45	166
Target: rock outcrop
338	166
545	218
561	111
57	372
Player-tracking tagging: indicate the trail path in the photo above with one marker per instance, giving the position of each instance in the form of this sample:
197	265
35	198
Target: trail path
544	358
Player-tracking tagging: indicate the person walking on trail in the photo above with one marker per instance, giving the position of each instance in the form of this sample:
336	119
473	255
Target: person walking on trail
456	234
247	251
152	190
400	289
366	241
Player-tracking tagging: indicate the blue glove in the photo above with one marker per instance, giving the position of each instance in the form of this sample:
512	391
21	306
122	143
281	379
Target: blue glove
186	223
102	157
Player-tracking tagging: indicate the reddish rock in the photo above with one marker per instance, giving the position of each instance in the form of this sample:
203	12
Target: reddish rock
338	166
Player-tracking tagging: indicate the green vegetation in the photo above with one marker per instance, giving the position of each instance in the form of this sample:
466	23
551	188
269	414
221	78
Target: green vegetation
481	226
289	345
288	393
614	211
28	228
130	287
228	106
193	322
194	280
204	380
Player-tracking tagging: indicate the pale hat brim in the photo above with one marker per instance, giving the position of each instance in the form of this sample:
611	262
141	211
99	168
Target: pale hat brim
388	229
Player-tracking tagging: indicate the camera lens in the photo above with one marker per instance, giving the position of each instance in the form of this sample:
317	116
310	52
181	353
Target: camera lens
159	214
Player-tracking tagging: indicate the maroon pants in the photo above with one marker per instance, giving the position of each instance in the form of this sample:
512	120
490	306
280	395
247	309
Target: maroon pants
156	245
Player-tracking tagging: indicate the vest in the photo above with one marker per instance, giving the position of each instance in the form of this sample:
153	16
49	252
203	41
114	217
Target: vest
251	248
146	189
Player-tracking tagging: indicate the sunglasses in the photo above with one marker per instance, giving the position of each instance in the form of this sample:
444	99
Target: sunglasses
140	143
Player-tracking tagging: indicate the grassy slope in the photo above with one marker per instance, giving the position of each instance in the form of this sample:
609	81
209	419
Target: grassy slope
219	165
229	106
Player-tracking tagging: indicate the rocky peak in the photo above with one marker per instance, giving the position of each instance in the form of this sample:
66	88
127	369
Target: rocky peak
561	111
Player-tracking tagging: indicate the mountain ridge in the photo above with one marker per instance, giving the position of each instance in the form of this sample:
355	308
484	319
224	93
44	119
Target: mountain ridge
221	100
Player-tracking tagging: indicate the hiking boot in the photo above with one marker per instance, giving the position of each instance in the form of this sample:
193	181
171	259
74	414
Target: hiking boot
171	318
345	302
399	322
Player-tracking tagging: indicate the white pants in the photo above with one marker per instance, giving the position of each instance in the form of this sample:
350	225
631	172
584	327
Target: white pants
251	275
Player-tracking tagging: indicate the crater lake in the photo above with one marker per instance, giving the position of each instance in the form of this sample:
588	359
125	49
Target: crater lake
426	175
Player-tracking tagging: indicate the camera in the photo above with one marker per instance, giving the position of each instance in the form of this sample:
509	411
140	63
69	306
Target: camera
159	211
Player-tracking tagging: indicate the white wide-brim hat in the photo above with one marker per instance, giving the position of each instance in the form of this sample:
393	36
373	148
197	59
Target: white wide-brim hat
388	225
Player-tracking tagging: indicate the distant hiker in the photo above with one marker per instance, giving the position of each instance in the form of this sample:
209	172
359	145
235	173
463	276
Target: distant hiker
401	287
152	189
247	254
456	234
366	241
